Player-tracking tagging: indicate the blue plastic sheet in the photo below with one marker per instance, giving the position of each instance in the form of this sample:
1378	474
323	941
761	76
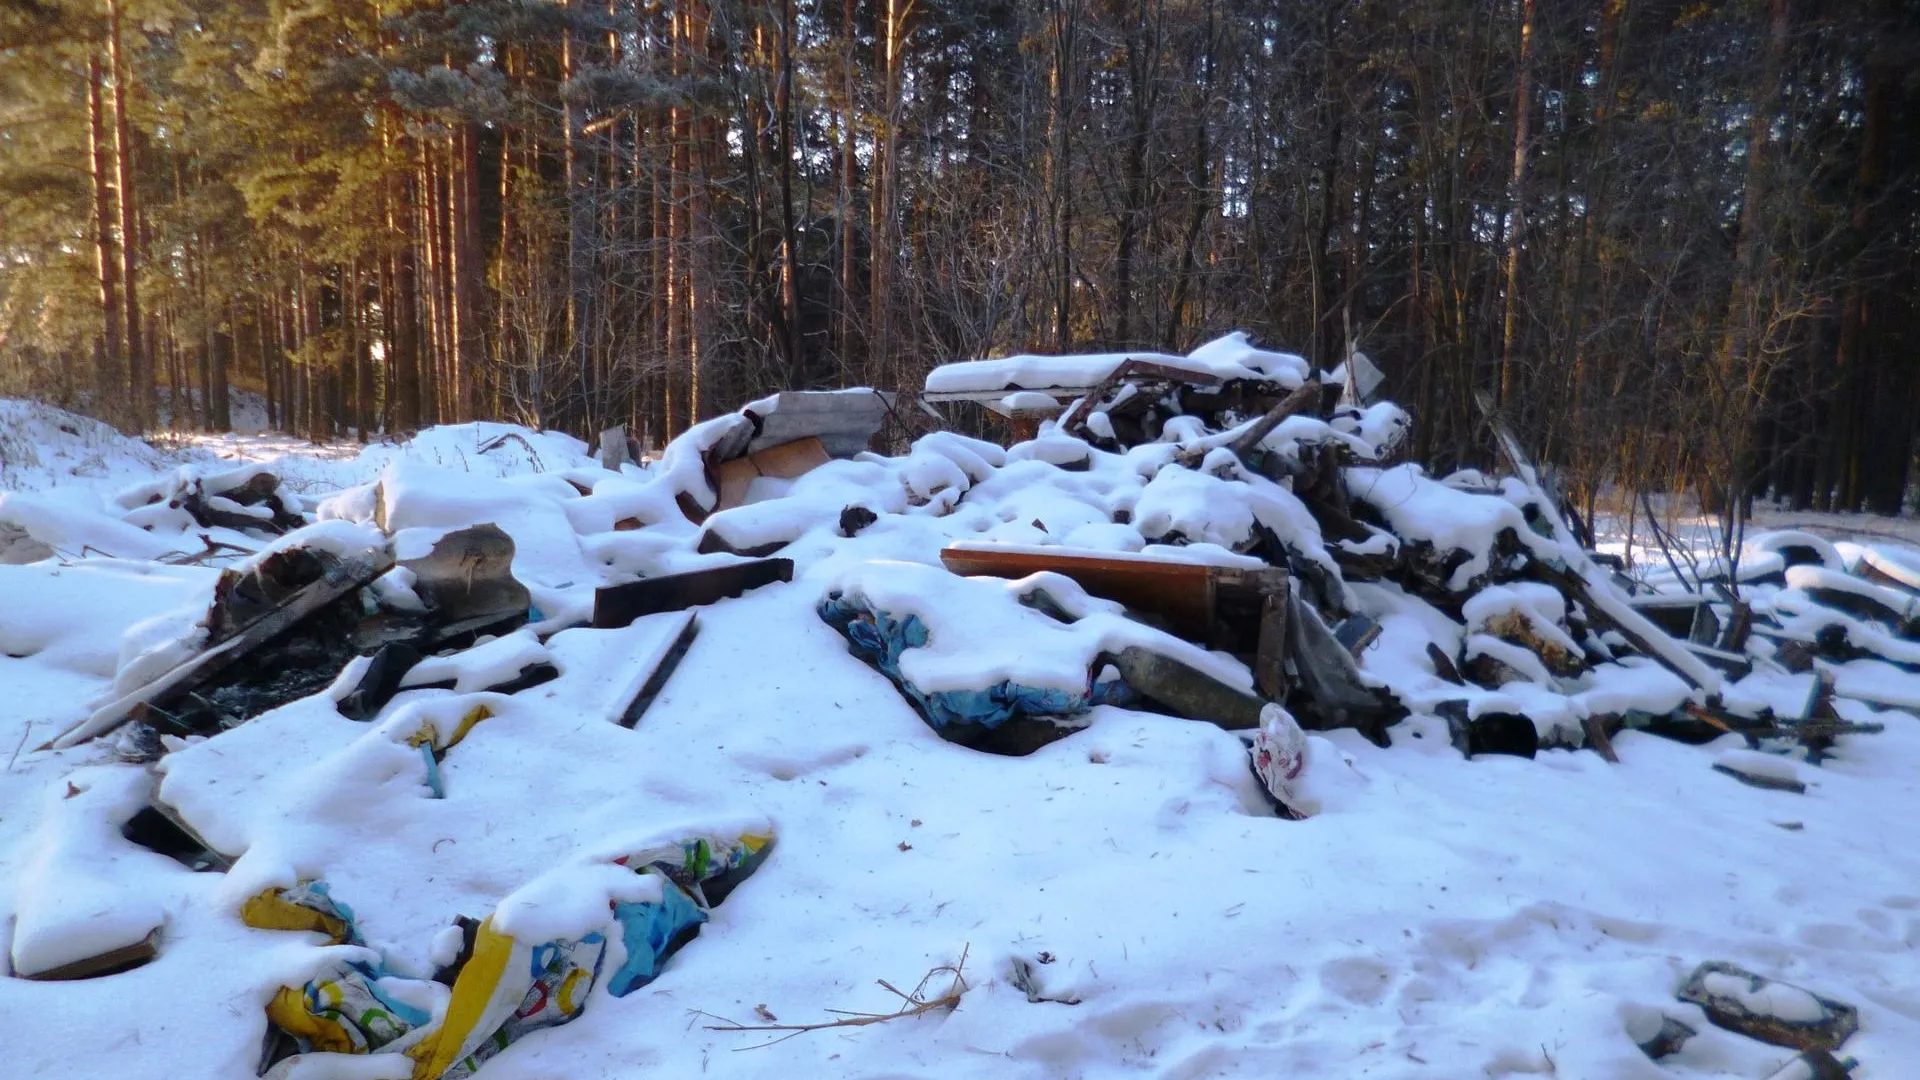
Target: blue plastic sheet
879	638
651	932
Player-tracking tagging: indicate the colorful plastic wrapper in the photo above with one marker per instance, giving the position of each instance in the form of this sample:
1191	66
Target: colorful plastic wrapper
879	638
345	1010
694	861
507	989
306	906
1279	755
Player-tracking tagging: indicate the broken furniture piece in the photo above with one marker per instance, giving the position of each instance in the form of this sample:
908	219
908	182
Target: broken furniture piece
1125	397
1187	599
783	436
1250	611
844	421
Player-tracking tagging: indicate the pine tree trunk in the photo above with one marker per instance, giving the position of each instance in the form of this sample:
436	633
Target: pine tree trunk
109	375
401	233
1517	203
139	363
582	408
789	240
845	345
467	273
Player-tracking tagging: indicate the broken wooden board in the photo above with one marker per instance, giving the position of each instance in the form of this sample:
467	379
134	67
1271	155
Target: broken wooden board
651	669
342	576
1675	613
619	605
1773	1012
1760	779
1185	596
110	962
617	448
1607	609
1304	398
1583	582
734	478
1270	653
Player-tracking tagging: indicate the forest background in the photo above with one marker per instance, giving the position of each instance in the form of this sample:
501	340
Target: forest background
1677	242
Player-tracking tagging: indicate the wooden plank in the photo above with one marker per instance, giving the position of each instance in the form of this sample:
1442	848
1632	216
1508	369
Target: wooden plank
620	605
111	962
1598	738
786	461
1183	594
1771	783
660	670
1074	421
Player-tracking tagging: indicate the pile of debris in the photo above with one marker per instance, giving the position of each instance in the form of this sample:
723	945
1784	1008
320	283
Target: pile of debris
1226	536
1229	537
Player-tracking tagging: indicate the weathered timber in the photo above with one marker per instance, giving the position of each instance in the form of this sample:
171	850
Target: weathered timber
651	676
619	605
110	962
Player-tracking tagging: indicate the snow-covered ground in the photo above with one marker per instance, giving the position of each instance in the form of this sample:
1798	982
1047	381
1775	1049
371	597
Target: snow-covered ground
1438	917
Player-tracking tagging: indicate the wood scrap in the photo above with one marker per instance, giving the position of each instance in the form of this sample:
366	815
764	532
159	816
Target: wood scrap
620	605
110	962
651	677
1759	779
342	576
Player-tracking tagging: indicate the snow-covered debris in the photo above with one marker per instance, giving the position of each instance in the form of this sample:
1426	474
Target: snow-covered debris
483	788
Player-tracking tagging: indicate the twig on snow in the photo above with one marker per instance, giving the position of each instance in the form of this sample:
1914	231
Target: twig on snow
500	440
16	749
913	1004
